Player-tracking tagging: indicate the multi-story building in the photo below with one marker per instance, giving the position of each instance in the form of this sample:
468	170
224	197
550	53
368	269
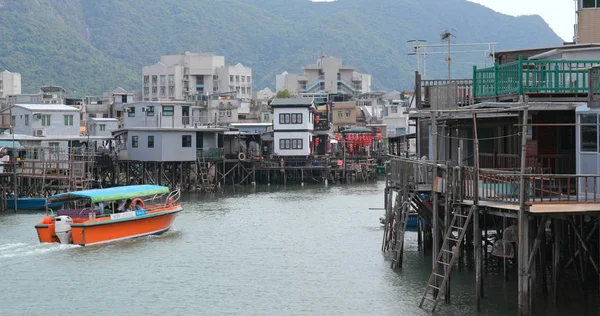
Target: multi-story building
47	95
260	110
10	83
45	120
176	77
293	126
588	22
344	114
327	76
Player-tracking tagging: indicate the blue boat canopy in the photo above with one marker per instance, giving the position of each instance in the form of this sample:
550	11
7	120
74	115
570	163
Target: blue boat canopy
11	144
111	194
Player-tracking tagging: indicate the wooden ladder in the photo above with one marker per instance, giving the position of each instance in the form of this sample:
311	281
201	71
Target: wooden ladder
404	213
442	257
203	173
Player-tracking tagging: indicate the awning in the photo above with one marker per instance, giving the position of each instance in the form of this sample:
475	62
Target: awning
111	194
11	144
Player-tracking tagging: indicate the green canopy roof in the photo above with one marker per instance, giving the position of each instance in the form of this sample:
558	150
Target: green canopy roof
111	194
10	144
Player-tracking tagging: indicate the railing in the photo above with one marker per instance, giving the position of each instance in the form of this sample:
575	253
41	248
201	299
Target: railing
549	163
499	185
533	77
173	121
210	153
594	91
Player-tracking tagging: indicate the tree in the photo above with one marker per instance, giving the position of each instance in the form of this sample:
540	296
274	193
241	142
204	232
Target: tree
282	94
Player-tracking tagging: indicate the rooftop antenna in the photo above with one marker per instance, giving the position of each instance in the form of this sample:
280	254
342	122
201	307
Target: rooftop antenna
447	36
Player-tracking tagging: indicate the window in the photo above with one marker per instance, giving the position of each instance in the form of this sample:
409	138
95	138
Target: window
154	80
186	141
589	134
230	78
104	115
168	110
295	143
124	98
26	119
150	141
68	120
348	113
103	127
146	79
171	80
150	111
46	120
171	91
14	120
131	112
339	113
162	80
163	90
146	91
284	118
293	118
134	142
228	113
395	109
591	3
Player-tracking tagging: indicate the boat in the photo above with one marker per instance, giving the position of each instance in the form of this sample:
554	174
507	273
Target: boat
79	224
32	204
413	220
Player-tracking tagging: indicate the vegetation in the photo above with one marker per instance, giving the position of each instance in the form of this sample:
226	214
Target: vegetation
284	94
93	46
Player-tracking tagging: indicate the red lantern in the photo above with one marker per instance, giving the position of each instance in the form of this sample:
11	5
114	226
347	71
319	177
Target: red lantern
317	119
317	142
337	136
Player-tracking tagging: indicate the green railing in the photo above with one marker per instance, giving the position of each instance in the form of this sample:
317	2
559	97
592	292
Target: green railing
533	76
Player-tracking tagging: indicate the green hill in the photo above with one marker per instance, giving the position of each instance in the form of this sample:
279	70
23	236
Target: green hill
91	46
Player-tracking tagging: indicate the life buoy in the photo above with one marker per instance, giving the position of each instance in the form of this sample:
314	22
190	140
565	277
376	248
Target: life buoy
136	201
241	156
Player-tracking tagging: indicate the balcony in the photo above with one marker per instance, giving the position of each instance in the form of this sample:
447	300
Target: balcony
172	121
562	80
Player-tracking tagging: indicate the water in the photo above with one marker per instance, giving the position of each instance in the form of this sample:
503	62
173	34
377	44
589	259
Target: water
293	251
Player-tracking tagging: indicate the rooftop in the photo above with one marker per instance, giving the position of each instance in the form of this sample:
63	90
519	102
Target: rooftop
292	102
47	107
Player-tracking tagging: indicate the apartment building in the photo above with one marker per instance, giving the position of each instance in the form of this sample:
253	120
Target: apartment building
177	77
10	83
327	76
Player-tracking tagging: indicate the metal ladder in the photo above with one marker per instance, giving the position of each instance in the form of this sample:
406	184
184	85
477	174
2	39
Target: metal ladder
442	257
404	213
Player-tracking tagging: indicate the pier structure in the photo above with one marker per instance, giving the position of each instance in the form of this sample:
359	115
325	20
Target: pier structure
505	177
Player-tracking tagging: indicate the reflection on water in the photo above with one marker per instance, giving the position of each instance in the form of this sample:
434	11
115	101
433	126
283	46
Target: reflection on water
250	251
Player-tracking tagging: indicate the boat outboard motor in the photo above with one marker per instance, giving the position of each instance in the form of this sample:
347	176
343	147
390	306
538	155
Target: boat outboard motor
62	228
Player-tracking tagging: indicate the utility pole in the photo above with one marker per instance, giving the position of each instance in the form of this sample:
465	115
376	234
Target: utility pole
447	36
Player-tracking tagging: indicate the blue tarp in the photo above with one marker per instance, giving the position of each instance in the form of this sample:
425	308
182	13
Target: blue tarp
111	194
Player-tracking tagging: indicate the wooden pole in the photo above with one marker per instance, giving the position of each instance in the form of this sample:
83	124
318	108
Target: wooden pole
523	282
476	228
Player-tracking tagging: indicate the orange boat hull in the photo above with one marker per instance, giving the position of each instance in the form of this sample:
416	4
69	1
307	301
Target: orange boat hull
102	230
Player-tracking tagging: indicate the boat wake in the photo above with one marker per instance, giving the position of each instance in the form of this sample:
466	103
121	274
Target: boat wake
15	250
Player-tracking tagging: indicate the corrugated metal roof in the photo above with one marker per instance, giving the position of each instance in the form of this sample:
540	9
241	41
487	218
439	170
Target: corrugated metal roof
47	107
293	102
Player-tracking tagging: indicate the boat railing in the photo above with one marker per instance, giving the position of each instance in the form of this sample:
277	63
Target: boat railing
174	195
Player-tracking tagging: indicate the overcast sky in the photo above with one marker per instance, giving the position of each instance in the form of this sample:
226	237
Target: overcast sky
559	14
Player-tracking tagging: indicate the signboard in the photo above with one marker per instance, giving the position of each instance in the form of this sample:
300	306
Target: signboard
140	212
122	215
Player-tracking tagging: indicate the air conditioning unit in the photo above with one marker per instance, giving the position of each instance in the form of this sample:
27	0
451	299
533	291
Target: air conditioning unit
127	110
144	109
37	116
39	132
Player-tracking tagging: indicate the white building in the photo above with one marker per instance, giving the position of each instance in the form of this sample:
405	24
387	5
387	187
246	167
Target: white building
10	83
176	77
44	120
327	76
293	126
102	126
